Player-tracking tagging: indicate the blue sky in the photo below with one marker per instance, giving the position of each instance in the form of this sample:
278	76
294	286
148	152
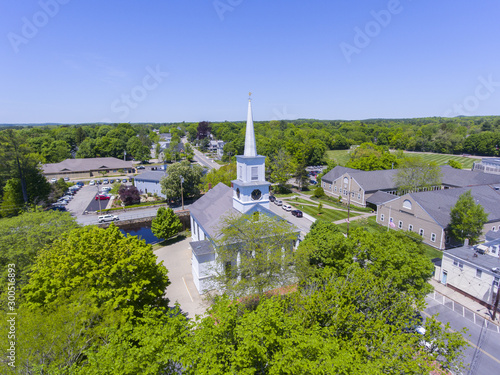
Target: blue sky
74	61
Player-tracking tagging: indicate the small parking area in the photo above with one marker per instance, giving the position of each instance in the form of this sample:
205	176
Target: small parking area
177	260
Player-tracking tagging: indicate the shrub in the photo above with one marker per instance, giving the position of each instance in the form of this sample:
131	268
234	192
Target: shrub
319	192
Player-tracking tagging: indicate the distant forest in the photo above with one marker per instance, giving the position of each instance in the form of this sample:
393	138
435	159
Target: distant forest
306	141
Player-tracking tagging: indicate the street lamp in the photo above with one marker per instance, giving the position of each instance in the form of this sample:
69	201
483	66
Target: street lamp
182	193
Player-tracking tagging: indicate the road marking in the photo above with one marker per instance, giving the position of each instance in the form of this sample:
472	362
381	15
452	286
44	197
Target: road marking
190	293
472	344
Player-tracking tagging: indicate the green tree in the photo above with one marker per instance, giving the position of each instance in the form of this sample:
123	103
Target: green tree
117	271
467	218
21	239
282	167
166	224
171	184
319	192
415	174
454	164
224	174
254	254
138	150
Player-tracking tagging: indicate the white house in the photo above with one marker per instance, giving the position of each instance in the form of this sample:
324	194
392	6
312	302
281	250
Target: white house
249	193
149	182
473	271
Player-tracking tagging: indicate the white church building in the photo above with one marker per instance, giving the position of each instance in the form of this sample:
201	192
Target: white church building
249	194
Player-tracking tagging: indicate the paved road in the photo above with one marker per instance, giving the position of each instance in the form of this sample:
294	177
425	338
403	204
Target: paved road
300	222
488	356
203	160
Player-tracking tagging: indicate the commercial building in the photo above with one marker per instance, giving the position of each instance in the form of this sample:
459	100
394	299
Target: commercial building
87	168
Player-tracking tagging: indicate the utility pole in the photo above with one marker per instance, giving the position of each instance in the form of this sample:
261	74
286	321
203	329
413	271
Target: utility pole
495	305
182	193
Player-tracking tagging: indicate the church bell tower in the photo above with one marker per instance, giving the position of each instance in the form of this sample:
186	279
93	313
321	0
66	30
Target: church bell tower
250	187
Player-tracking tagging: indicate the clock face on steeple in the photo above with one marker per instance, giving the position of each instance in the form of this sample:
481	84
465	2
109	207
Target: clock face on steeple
256	194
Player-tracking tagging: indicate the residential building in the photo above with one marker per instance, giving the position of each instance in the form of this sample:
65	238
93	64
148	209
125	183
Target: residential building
87	168
149	182
473	271
488	165
217	147
249	194
428	213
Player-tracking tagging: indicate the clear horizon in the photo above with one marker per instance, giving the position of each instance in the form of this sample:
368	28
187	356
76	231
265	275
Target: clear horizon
74	62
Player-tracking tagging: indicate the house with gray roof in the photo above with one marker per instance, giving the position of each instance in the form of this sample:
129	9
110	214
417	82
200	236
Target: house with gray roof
428	213
488	165
86	168
473	271
149	182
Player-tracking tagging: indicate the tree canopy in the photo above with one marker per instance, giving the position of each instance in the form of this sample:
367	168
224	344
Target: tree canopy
254	254
117	271
415	174
467	218
191	173
166	224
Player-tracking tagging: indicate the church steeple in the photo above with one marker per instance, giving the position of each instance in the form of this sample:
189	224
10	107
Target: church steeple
250	189
250	147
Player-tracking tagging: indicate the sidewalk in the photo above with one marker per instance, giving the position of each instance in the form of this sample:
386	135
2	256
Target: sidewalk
468	303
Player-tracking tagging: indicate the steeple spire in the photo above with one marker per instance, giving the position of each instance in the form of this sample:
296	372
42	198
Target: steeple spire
250	148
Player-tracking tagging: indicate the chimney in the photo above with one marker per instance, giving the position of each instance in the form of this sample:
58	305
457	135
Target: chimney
209	186
466	242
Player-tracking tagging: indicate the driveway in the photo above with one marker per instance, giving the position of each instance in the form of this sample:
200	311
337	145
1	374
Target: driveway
177	259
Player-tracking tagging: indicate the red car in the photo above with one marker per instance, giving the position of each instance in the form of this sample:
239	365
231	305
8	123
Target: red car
101	197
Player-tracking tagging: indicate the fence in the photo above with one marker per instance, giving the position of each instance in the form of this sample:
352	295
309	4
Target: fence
464	311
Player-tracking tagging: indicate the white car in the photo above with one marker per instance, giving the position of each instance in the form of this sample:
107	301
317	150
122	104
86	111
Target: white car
278	202
52	180
92	182
286	207
104	218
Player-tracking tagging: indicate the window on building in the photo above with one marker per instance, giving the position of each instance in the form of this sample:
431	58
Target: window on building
460	265
410	228
455	262
493	229
479	272
433	237
447	239
381	217
194	227
335	189
421	232
240	173
400	224
359	196
407	204
352	195
255	173
496	282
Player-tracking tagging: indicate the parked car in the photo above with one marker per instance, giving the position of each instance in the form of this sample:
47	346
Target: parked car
104	218
98	182
67	197
124	180
105	181
111	181
105	189
92	182
141	167
80	183
62	202
272	198
278	202
56	207
52	180
313	182
296	213
286	207
101	197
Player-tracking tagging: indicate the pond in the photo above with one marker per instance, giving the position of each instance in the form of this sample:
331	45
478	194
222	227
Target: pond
142	230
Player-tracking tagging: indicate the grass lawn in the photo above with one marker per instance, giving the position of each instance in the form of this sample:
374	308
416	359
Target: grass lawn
369	224
432	253
288	195
334	202
441	159
341	157
327	214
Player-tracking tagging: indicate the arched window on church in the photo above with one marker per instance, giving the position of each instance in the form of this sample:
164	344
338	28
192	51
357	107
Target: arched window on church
407	204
